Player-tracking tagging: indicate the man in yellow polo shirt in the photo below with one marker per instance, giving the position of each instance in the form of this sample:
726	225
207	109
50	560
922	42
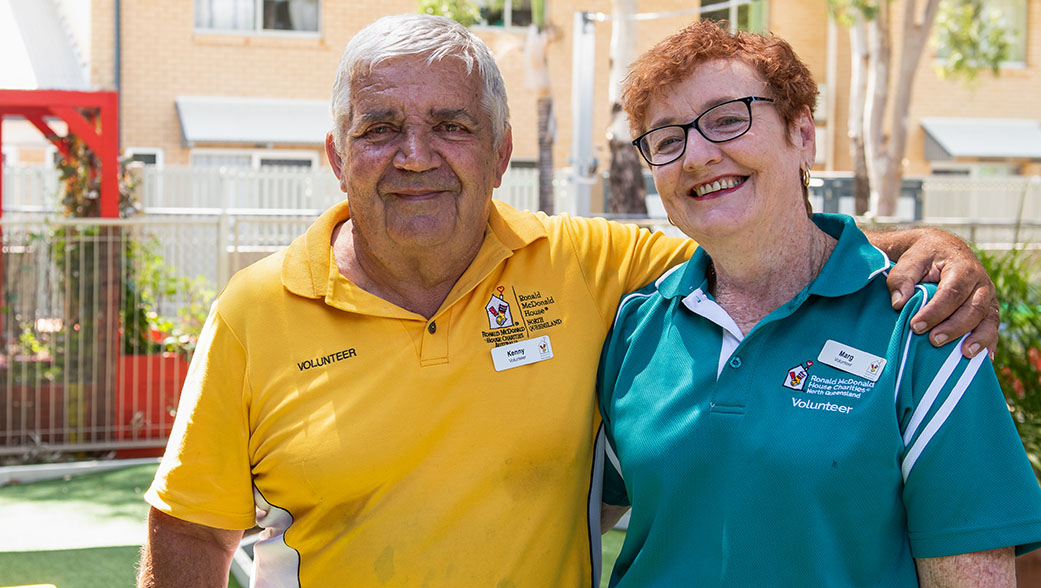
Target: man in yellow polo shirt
404	396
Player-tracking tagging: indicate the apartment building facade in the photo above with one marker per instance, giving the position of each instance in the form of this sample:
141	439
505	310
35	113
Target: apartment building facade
247	82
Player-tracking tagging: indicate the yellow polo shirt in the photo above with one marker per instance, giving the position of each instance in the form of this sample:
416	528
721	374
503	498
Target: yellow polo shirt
379	448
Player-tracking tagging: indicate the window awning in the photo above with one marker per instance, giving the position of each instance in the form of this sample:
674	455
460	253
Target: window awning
212	120
981	138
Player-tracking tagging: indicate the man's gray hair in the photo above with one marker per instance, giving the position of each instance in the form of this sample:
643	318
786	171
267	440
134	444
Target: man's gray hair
433	37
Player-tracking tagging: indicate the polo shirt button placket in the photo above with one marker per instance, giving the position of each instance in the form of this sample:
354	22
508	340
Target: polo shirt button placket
432	327
735	362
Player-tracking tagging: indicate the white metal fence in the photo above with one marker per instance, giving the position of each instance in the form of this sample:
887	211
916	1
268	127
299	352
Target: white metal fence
290	189
98	318
1000	199
96	328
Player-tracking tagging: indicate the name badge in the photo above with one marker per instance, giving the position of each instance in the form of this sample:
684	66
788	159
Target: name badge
522	353
851	360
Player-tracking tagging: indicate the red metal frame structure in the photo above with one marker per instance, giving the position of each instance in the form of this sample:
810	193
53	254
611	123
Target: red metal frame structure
80	111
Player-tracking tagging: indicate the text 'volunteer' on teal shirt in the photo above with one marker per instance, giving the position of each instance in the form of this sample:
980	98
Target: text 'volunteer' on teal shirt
830	448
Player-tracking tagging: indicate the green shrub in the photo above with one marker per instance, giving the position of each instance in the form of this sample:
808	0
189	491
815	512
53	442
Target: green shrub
1018	356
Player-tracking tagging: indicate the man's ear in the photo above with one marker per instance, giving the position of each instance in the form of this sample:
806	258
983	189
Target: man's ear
334	160
504	152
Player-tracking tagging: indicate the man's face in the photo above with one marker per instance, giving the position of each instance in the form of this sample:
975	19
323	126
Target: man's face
418	163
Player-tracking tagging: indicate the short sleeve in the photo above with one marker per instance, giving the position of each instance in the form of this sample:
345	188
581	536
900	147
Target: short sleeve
619	258
204	476
968	485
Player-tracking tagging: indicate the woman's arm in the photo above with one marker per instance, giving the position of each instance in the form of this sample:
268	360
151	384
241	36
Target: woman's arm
984	569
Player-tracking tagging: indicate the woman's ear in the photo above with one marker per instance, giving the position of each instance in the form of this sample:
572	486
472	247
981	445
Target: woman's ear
804	135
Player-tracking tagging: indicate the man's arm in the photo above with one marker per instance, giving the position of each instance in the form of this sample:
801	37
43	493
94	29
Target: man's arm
965	295
178	553
985	569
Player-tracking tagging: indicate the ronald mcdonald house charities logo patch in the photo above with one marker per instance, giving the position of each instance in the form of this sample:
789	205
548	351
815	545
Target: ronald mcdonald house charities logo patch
796	377
499	315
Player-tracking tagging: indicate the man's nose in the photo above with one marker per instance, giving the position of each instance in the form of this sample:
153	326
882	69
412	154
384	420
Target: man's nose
417	152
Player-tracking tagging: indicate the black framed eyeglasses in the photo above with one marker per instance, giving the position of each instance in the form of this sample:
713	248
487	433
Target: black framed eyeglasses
721	123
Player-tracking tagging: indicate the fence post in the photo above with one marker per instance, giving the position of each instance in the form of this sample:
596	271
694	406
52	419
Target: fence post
224	223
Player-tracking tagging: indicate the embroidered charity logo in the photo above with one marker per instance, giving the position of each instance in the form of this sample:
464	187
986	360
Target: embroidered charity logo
874	366
499	315
796	378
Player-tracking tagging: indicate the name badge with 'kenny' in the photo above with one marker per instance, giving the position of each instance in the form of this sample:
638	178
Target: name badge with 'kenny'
522	353
852	360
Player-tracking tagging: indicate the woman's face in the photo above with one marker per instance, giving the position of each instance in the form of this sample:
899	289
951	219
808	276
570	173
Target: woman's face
751	183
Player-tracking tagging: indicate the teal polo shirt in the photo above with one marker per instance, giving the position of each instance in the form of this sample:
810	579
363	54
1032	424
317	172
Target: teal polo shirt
830	446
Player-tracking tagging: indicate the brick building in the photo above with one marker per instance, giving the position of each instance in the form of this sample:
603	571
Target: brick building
246	82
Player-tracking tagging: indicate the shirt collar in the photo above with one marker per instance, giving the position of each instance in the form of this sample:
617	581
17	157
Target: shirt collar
852	264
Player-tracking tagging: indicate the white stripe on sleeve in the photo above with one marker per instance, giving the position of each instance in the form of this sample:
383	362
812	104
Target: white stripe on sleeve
613	458
939	381
941	415
907	346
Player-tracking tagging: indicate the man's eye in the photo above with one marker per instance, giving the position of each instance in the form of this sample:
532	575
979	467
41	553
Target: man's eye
380	131
451	127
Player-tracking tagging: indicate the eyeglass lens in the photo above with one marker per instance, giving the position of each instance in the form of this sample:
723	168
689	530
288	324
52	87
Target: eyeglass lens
720	123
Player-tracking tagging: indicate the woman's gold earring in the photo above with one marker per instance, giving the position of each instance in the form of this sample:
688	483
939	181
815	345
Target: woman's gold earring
671	222
805	173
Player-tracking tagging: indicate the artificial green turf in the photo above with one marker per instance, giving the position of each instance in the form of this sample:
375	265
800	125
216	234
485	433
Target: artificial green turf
99	567
103	509
100	519
612	544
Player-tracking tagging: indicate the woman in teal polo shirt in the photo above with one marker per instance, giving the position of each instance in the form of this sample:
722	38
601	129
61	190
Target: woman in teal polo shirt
776	422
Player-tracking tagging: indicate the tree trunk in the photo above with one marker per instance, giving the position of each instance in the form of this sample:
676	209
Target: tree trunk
876	148
626	192
537	78
544	107
915	34
857	98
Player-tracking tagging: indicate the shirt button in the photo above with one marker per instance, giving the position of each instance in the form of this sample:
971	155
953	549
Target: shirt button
735	362
432	327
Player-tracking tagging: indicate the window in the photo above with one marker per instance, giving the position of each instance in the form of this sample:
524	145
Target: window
505	13
285	162
743	15
253	159
974	169
257	15
146	155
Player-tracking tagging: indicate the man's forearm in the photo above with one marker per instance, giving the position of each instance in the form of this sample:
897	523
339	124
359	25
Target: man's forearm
984	569
895	243
178	553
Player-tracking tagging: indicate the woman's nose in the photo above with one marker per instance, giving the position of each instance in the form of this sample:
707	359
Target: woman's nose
699	151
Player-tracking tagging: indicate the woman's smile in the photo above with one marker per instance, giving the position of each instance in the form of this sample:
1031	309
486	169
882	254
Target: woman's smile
718	187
